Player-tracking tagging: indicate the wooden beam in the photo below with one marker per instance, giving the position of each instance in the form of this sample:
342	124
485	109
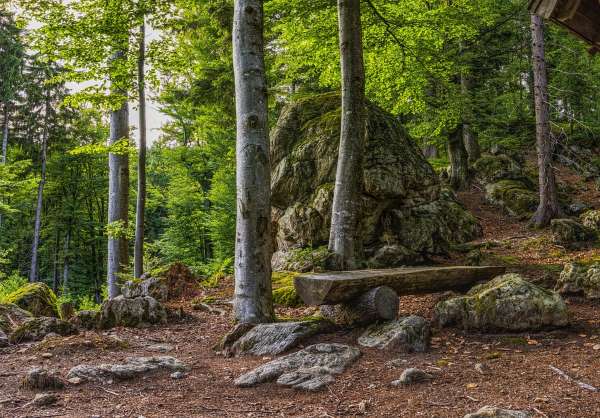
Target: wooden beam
338	287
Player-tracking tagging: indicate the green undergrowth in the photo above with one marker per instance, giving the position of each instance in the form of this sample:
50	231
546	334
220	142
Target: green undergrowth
284	292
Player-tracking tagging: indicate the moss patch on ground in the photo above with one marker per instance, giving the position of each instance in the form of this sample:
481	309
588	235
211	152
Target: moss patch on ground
284	292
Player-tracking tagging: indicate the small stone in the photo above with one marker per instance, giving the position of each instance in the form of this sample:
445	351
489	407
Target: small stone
44	399
74	380
412	375
596	347
482	368
47	355
3	339
177	375
399	362
161	348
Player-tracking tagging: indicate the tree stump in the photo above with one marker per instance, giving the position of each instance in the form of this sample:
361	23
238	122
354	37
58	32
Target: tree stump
379	303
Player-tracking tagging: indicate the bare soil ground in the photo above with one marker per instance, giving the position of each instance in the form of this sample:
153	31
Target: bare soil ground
519	375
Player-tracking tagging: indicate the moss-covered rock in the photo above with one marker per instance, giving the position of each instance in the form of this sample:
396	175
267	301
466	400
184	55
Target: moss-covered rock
491	168
36	298
513	196
136	312
580	279
284	292
571	234
591	219
11	316
402	206
506	303
37	328
85	319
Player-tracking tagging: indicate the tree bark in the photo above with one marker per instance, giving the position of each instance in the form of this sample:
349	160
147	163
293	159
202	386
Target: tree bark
138	252
380	303
459	163
343	240
65	278
33	273
253	248
549	207
5	133
469	139
118	195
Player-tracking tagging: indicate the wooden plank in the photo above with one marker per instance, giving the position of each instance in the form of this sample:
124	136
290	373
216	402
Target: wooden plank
338	287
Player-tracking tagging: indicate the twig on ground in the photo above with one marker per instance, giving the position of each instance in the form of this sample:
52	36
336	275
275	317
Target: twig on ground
582	385
110	391
540	412
238	411
471	398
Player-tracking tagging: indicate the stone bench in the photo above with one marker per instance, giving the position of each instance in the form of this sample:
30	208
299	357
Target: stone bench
349	297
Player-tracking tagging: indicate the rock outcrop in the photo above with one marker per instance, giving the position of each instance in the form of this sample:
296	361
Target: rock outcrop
310	369
571	234
11	317
136	312
580	279
36	329
405	215
506	303
155	287
409	334
36	298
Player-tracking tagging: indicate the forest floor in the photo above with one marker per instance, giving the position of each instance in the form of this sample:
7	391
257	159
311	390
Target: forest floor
519	374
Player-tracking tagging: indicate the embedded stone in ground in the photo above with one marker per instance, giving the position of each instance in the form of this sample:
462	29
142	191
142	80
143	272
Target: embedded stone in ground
571	234
409	334
411	376
86	320
44	399
42	379
580	279
137	312
132	368
494	412
506	303
3	339
38	328
275	338
309	369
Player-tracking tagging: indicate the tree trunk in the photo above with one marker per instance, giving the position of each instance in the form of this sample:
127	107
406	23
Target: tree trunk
118	196
5	133
469	139
346	204
55	267
138	252
549	208
380	303
33	273
253	248
459	163
65	279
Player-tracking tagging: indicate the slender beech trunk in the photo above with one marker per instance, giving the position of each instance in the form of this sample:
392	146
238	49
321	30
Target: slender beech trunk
343	240
33	273
118	195
469	139
4	139
253	248
459	163
66	261
55	268
549	206
138	252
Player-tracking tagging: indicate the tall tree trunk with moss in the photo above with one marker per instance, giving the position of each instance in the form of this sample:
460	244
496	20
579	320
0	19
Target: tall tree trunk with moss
33	272
459	160
343	240
253	248
118	190
549	207
469	138
4	138
138	252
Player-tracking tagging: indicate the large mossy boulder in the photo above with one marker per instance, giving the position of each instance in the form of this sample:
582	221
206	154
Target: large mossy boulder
591	220
36	298
137	312
506	303
404	214
579	279
38	328
490	168
571	234
513	196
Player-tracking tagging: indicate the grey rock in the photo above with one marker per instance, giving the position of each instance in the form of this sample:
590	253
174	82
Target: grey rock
86	320
137	312
154	287
37	329
506	303
3	339
11	317
580	279
275	338
411	376
577	208
493	412
409	334
309	369
513	196
482	368
404	213
571	234
44	399
41	379
177	375
160	348
591	220
132	368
